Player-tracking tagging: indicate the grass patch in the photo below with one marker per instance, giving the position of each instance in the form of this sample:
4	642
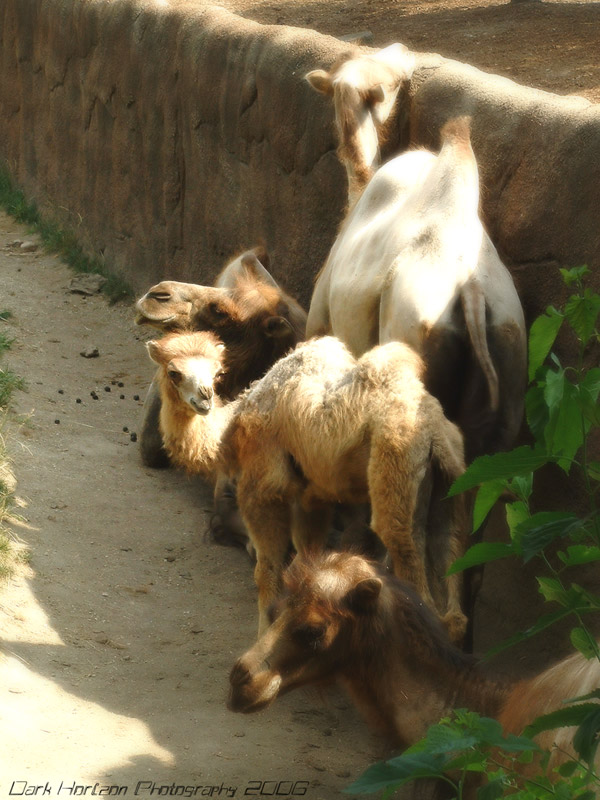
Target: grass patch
57	240
9	383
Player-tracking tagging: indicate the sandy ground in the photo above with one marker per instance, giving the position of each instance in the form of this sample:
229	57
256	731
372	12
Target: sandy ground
116	641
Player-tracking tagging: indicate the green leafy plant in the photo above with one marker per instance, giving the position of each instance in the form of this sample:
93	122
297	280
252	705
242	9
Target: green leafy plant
562	413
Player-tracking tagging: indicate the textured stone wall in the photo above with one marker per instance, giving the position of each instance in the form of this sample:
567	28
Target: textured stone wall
172	136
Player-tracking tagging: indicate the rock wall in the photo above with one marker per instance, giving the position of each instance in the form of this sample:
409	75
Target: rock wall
173	135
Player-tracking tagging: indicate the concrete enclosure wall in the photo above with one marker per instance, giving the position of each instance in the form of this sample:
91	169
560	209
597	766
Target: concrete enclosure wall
173	136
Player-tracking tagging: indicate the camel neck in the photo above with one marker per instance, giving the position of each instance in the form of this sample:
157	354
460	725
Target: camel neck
193	441
402	687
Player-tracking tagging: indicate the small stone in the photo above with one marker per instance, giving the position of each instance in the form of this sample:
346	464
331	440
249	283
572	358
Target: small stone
90	352
87	284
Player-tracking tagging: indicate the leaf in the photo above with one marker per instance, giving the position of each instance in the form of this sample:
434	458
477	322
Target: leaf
536	411
593	469
481	553
542	335
499	466
487	495
522	486
553	590
397	771
564	433
538	531
585	740
574	275
516	514
492	790
583	641
582	310
579	554
563	718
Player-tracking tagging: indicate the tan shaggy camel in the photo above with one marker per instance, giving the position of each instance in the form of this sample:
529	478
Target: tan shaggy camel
412	262
322	427
339	618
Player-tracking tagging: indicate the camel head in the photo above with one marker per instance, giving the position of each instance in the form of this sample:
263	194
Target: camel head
310	636
175	306
191	365
364	90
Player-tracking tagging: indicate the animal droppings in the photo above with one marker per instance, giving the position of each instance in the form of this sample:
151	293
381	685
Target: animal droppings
94	395
120	385
61	391
136	397
133	437
121	397
125	429
78	400
107	388
57	422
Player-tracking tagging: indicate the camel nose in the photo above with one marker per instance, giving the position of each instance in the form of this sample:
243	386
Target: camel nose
204	400
240	674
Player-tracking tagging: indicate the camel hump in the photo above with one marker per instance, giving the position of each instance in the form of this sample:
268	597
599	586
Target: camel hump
457	132
473	304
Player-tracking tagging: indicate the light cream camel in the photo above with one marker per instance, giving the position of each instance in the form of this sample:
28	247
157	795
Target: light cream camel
412	263
319	428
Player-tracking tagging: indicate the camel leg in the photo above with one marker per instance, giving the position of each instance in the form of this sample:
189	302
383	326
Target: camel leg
268	520
311	522
394	486
151	444
226	524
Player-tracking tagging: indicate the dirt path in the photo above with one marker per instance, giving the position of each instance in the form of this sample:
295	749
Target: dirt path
117	640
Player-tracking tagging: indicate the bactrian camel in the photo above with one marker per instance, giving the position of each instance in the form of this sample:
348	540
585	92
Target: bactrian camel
322	427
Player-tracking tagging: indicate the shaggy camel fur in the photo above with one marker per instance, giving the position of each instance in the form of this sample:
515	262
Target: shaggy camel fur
340	619
413	263
322	427
252	315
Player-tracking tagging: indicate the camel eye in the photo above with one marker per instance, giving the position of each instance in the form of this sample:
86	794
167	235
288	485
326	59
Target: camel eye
309	636
174	375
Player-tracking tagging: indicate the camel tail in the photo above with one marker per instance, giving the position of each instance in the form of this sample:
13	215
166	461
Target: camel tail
457	132
473	304
574	676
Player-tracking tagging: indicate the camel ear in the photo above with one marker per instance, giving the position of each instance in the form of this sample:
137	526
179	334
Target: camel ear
277	327
153	349
254	267
362	597
320	81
